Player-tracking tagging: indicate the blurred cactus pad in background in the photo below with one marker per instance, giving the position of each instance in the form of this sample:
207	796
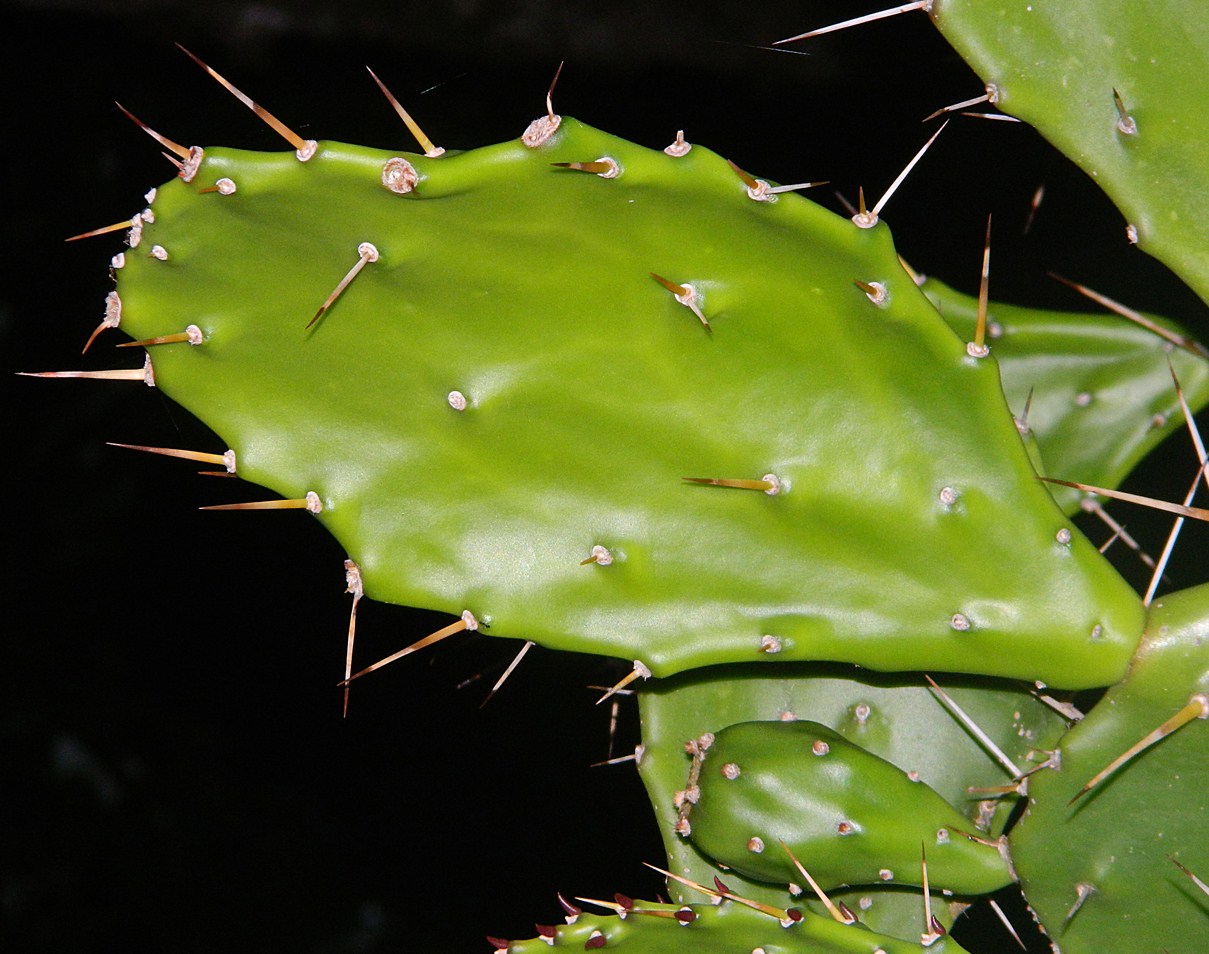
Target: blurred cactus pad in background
706	481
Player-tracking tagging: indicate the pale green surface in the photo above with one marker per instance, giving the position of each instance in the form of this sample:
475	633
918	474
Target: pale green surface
593	392
1056	64
1121	836
1102	395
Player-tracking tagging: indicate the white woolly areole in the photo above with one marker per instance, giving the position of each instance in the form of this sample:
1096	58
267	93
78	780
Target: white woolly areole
679	147
399	175
540	130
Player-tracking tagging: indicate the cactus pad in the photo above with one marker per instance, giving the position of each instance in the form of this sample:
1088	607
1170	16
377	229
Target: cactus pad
1098	867
502	387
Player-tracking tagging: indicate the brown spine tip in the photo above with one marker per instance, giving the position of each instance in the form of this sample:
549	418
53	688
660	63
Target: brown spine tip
104	229
680	291
606	167
304	149
310	502
190	157
571	910
640	671
467	622
430	151
874	291
858	21
226	459
1195	880
223	186
1125	122
182	151
757	189
769	483
191	335
541	129
366	252
978	347
866	220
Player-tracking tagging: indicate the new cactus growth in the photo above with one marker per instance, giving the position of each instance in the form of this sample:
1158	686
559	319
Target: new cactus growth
853	816
641	403
896	717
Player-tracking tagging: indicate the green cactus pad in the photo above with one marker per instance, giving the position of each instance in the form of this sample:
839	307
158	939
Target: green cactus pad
726	928
847	815
504	387
1116	846
1098	388
894	716
1056	65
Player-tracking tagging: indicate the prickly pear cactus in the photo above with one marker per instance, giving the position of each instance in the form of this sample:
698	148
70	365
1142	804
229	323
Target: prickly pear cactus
639	403
638	525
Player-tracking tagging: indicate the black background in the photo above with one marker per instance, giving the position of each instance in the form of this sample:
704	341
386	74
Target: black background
176	774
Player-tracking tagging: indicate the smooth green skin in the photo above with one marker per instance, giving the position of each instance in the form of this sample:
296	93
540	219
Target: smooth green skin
786	792
1121	368
726	928
905	725
1056	64
593	392
1122	836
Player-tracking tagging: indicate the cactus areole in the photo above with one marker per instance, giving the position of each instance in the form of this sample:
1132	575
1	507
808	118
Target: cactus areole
484	370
